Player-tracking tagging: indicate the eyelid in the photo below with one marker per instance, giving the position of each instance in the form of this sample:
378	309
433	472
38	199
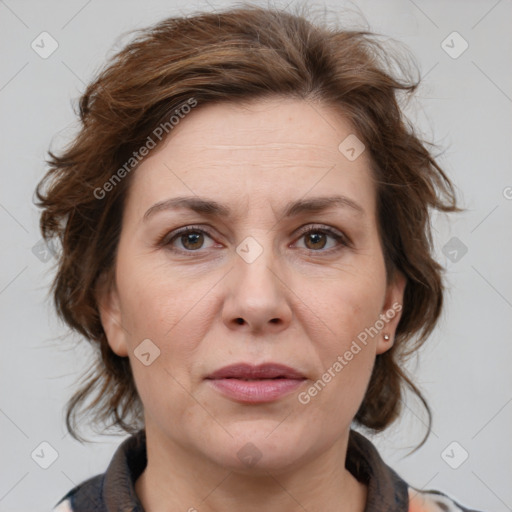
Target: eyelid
166	239
340	236
342	239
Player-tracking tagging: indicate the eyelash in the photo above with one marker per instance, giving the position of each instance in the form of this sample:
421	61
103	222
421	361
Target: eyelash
167	240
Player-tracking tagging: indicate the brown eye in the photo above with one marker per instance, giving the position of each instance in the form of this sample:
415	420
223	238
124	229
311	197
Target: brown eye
315	240
189	239
193	240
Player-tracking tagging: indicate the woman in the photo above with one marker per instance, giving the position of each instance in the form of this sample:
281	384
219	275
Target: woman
244	220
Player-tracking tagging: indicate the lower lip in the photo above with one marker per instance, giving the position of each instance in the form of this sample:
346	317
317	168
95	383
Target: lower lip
256	391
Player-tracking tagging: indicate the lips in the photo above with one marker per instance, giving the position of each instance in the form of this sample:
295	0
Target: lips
249	384
245	371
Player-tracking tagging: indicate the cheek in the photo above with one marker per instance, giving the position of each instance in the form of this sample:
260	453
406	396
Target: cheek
347	305
172	312
156	300
348	308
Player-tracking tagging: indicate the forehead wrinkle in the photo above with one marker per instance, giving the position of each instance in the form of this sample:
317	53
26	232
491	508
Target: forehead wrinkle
272	147
275	164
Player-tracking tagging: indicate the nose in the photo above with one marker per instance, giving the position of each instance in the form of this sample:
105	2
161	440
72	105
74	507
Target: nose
257	298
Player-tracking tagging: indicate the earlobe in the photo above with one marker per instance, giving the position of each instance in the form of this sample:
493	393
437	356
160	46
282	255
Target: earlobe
111	317
391	312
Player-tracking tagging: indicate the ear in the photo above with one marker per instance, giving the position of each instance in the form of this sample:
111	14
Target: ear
391	312
107	298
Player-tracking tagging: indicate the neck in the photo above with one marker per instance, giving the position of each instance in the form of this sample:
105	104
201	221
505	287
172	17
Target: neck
177	478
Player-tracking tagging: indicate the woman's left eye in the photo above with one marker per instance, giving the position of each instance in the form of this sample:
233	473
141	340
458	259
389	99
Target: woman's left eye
316	239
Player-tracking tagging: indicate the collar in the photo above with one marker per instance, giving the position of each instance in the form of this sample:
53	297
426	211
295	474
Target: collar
114	491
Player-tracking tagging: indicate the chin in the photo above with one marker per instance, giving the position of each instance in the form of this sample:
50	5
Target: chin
258	448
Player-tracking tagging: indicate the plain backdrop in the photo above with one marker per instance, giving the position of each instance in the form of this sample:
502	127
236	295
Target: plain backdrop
464	105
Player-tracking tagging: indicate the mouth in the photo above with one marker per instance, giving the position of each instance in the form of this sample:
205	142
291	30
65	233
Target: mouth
255	380
246	371
250	384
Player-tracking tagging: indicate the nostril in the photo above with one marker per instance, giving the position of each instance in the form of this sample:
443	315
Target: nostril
239	321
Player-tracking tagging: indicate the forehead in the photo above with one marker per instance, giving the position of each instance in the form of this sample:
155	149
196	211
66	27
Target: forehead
265	151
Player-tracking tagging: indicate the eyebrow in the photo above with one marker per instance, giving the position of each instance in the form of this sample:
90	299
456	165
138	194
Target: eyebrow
212	208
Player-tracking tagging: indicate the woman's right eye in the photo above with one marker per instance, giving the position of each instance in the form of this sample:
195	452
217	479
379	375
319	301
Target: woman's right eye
190	238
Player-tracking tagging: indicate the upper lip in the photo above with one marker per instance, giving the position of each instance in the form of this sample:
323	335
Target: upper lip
262	371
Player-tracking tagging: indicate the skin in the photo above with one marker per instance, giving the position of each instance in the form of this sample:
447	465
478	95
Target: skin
303	301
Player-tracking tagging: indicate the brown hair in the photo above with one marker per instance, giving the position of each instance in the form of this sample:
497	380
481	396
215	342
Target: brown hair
233	56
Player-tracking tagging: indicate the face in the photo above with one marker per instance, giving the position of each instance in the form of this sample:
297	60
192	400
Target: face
267	274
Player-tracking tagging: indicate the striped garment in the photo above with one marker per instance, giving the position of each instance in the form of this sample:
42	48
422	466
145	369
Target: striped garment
114	490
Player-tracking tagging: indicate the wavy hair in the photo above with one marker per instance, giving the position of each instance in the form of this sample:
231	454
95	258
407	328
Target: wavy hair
237	55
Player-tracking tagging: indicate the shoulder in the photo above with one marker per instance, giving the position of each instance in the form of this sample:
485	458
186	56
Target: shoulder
386	486
88	494
63	506
115	485
433	501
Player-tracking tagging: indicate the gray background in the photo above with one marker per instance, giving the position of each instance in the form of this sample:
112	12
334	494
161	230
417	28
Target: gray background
464	105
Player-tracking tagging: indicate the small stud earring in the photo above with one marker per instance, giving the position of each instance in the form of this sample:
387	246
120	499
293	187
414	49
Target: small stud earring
386	337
